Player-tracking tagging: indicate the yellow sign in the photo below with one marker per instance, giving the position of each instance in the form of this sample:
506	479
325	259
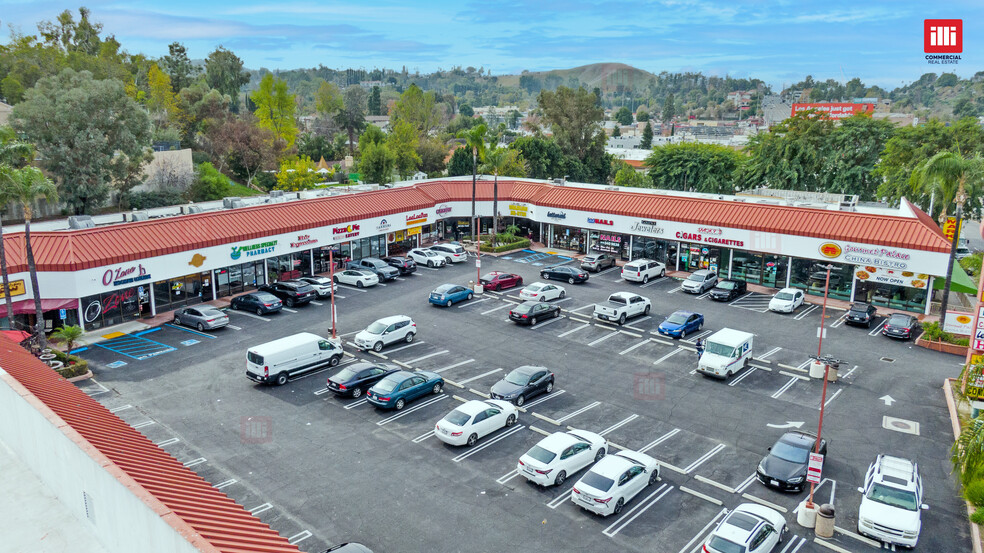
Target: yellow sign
413	231
518	210
16	289
949	227
975	389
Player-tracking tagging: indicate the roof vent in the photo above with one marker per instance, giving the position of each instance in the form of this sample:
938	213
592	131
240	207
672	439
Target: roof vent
139	216
194	209
560	182
611	188
232	203
276	193
80	222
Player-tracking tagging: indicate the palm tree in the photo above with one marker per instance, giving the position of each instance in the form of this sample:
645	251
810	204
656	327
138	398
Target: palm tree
13	153
29	185
967	453
475	139
496	161
68	334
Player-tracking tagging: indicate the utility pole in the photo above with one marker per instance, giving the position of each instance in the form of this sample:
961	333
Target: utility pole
826	370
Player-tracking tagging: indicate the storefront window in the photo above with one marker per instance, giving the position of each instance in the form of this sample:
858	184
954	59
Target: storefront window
908	298
651	248
181	291
569	238
111	308
765	269
694	257
615	244
811	276
237	278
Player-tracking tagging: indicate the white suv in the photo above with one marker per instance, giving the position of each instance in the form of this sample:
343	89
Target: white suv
386	331
891	501
641	270
452	253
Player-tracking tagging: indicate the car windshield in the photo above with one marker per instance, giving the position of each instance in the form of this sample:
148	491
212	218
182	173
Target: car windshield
898	320
592	258
785	296
726	285
718	349
859	308
523	308
443	289
598	481
377	328
386	385
534	287
263	296
457	417
894	497
696	277
790	452
518	378
541	454
677	319
717	543
343	375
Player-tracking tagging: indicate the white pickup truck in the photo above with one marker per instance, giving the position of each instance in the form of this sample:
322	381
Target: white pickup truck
621	306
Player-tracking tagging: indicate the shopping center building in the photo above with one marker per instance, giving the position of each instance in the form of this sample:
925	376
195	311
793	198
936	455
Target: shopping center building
123	268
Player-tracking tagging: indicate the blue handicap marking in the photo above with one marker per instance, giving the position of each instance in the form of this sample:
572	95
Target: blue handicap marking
116	364
135	346
189	342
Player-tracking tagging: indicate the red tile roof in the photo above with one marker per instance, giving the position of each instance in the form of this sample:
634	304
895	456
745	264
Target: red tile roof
166	485
82	249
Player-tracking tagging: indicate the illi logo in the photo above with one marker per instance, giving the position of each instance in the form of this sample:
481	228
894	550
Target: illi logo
236	253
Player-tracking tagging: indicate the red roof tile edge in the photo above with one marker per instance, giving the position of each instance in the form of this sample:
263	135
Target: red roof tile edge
53	397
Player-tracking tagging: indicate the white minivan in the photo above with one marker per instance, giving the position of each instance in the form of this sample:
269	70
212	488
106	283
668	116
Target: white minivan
279	360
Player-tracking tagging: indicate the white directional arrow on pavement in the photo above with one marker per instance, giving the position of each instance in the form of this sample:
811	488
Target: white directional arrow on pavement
889	400
789	424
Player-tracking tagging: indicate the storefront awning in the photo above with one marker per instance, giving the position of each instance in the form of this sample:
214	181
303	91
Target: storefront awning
960	282
26	307
16	335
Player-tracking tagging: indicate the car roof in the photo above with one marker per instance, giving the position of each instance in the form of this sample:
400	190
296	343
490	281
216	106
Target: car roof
445	286
262	294
207	308
529	369
362	365
901	316
704	272
898	472
475	406
637	261
612	466
536	285
799	439
682	312
789	290
557	442
859	305
393	319
401	375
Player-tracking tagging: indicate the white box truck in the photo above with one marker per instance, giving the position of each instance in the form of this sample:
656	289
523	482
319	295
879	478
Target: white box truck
726	352
277	361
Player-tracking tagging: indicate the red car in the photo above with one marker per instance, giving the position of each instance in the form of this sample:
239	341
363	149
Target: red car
497	280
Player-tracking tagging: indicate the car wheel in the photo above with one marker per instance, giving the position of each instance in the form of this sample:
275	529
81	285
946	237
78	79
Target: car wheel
400	404
259	310
447	260
409	337
430	264
448	304
520	400
559	479
618	506
662	273
683	334
359	284
563	293
510	420
544	276
728	374
234	306
470	296
437	388
334	361
621	319
290	302
496	288
281	379
543	298
472	439
868	325
377	347
201	327
533	321
556	313
645	279
646	310
356	392
653	477
570	280
599	455
700	325
177	321
549	387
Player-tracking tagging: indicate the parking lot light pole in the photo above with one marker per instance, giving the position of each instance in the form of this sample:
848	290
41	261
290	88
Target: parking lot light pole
331	272
826	368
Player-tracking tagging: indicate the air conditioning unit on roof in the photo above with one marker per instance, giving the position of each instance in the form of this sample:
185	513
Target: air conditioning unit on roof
137	216
276	193
81	222
193	209
230	202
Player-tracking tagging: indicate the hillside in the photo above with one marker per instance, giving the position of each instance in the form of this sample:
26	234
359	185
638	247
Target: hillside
606	76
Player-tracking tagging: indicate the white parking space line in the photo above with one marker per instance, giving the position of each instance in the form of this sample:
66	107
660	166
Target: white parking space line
289	310
298	538
234	327
508	476
168	441
634	512
608	270
428	356
659	440
742	376
423	437
618	425
122	408
417	407
677	289
630	348
194	462
704	295
142	424
637	321
380	284
453	366
695	542
318	303
561	300
503	306
603	338
573	330
548	321
244	314
351	288
840	320
667	356
357	403
474	378
583	307
545	398
792	542
260	508
831	398
476	449
226	484
427	268
349	333
652	282
803	314
337	297
768	353
746	483
739	298
878	328
322	391
786	386
578	412
560	499
473	302
401	348
850	372
692	466
703	334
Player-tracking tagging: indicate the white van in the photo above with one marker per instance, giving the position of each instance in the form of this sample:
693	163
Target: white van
277	361
452	253
726	352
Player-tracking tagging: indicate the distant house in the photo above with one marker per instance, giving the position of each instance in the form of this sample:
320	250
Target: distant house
381	121
5	113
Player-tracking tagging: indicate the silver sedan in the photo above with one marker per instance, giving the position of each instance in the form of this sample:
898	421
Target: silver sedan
202	317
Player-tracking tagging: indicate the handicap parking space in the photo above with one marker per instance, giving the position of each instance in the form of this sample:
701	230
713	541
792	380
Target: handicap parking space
137	346
538	259
752	301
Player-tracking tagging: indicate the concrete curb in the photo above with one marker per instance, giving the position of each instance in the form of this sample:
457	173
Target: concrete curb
548	419
951	405
710	482
779	508
830	546
859	537
707	498
402	364
453	383
81	377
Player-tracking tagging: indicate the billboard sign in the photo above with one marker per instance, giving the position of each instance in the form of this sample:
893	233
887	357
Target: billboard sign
835	111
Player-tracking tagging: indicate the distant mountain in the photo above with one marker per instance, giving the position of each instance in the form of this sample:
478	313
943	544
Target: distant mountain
606	76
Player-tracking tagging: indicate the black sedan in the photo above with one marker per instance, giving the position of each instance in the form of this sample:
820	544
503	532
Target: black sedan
291	292
523	383
900	325
784	468
570	274
404	264
355	379
529	312
728	289
260	303
860	314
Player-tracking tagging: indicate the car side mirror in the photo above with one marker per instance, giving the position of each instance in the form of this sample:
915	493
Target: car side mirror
861	490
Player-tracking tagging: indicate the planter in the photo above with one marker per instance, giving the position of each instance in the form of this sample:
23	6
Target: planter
944	347
81	377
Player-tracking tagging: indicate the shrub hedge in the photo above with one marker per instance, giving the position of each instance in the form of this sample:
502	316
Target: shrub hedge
523	243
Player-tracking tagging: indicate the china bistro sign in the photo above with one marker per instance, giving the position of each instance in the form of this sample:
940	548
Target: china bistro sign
866	255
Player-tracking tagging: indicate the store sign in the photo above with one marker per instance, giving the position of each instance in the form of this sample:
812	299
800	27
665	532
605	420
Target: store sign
647	227
17	288
830	250
892	277
253	250
556	215
197	260
417	218
413	231
109	303
959	323
519	210
346	231
593	221
125	275
609	243
709	239
950	228
383	226
303	240
443	210
881	257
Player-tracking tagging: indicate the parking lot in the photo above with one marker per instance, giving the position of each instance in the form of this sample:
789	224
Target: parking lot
322	470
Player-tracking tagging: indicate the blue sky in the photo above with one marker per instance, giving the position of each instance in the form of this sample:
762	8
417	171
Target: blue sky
778	41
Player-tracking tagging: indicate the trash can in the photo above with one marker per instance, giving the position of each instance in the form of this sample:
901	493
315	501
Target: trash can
825	521
832	372
816	369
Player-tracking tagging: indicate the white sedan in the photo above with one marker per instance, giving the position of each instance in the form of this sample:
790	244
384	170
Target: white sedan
749	528
424	256
541	291
786	300
322	285
474	419
614	481
357	278
560	455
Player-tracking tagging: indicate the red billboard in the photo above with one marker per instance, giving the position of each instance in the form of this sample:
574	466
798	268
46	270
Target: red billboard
835	111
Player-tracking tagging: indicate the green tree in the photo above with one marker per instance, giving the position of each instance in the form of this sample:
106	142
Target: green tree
693	167
851	154
647	136
642	115
668	109
953	178
616	132
466	110
69	334
623	116
209	184
275	107
200	107
376	163
328	99
371	135
224	72
89	133
161	101
375	101
460	163
574	117
790	156
418	108
13	154
27	187
500	161
432	152
177	65
628	176
512	119
965	107
352	117
402	142
315	146
298	173
245	147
